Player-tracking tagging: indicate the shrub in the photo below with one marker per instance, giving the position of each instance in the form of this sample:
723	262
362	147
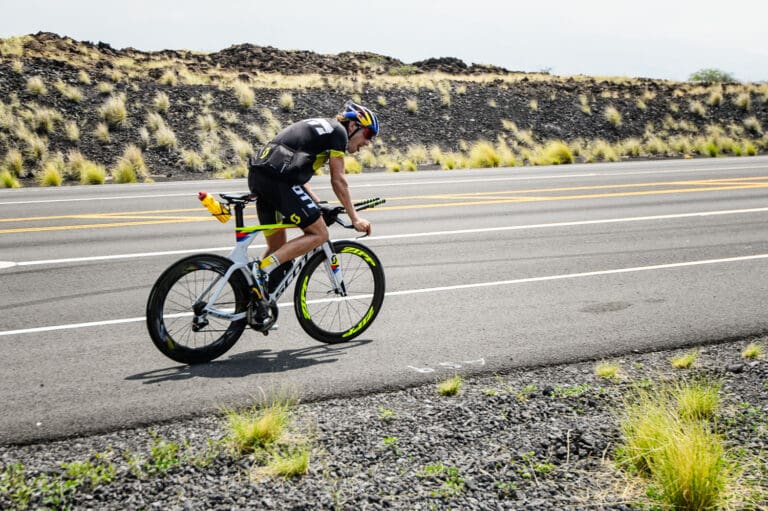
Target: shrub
607	370
92	174
70	92
697	108
105	88
43	120
102	133
680	454
613	116
132	156
169	78
404	70
286	101
412	105
743	101
207	123
753	351
161	102
11	47
83	77
165	138
75	164
14	162
711	75
584	105
36	86
352	166
752	124
192	160
451	386
113	112
244	94
483	155
8	180
684	361
36	148
52	173
555	153
124	172
258	427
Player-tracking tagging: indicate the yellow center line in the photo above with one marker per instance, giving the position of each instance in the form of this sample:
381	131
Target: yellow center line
158	217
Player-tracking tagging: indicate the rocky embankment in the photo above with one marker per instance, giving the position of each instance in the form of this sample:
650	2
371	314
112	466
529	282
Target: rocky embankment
437	103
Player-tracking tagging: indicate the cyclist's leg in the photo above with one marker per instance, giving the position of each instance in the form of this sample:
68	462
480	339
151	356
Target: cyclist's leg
298	207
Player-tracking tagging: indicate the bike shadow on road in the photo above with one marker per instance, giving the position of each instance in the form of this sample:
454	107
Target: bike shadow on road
252	362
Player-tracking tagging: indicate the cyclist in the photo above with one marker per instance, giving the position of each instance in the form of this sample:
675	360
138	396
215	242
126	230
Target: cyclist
279	172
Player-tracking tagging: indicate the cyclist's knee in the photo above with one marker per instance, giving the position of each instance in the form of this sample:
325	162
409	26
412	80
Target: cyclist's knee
318	232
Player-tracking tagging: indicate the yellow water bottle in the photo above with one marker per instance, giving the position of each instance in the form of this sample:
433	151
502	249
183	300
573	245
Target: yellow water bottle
220	212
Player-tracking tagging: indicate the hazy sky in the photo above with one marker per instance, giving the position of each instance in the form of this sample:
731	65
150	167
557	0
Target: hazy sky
652	38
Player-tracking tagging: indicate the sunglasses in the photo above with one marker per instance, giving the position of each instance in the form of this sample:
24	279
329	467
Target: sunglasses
367	132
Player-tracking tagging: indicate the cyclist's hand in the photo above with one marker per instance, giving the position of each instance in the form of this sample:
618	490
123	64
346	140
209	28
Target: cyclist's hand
362	225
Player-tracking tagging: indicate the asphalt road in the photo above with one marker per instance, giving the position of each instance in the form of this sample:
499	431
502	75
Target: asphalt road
486	270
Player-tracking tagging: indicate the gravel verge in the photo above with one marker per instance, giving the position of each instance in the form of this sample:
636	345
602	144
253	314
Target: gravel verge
538	438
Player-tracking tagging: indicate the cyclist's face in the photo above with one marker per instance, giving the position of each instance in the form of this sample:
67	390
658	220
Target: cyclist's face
357	139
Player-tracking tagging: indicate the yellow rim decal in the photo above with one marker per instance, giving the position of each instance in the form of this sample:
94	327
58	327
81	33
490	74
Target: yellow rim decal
360	325
361	253
304	310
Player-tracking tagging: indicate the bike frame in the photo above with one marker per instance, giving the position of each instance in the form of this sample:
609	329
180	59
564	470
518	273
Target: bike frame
239	256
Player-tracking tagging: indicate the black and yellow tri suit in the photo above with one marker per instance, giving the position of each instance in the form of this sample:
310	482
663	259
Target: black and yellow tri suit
278	172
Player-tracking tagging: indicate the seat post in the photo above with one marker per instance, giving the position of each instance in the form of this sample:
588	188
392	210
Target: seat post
239	222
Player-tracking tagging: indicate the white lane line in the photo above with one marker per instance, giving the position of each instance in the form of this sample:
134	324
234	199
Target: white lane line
440	289
410	235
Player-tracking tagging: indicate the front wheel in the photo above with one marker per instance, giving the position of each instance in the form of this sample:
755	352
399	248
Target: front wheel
329	317
176	318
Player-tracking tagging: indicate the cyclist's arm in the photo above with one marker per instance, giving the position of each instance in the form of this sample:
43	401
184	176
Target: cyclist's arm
341	189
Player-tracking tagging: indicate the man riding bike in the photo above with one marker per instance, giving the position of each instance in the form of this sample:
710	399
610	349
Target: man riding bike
279	172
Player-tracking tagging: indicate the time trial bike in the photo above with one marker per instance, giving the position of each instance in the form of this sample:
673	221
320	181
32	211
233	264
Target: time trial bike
200	306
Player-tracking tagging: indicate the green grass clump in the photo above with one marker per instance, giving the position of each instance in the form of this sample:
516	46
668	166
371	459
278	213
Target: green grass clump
286	101
753	351
613	116
753	125
256	427
697	400
684	361
484	155
293	463
607	370
114	112
13	162
92	173
36	86
8	180
70	92
352	166
192	160
678	453
244	94
451	386
165	138
555	153
72	131
161	102
51	174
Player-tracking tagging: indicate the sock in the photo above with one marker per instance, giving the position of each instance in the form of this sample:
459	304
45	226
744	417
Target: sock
269	263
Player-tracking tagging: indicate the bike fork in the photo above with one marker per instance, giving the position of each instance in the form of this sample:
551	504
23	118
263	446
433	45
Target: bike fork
333	268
